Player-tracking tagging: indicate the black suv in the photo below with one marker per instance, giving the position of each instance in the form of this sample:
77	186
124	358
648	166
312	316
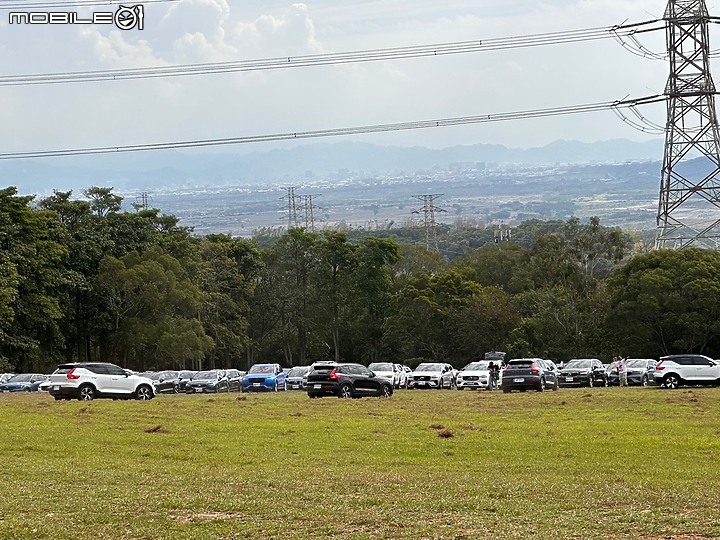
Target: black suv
524	373
345	381
583	372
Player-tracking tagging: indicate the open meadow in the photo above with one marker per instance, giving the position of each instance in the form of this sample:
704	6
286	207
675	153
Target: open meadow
641	463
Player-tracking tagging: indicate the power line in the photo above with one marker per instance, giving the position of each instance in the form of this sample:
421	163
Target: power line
357	130
401	126
369	55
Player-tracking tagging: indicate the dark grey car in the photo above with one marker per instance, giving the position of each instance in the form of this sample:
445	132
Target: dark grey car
583	372
640	372
528	373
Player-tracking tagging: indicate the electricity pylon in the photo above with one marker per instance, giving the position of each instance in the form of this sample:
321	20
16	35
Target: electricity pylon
428	210
292	218
689	207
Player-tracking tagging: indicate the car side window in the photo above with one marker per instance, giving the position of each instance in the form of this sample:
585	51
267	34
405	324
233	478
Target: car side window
98	369
113	370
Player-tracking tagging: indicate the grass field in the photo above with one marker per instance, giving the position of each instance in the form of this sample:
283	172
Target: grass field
639	463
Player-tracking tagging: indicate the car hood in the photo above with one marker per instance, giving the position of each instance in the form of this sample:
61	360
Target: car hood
473	372
426	373
574	371
15	386
259	376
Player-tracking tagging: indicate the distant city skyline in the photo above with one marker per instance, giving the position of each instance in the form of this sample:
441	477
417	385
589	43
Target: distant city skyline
74	115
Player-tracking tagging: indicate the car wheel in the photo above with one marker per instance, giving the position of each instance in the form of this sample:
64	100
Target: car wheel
556	386
671	381
386	391
541	388
644	381
345	391
86	393
144	392
176	389
58	398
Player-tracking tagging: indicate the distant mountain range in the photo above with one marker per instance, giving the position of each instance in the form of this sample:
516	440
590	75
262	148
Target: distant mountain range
177	169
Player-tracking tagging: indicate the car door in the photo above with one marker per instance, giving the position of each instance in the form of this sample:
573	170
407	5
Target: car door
368	381
705	370
550	375
119	380
280	376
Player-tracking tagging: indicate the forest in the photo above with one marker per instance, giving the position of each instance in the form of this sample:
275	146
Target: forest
81	279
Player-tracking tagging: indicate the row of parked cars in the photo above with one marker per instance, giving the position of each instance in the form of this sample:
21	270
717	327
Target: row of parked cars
90	380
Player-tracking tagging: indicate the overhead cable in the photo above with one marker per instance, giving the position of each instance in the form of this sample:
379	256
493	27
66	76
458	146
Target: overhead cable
369	55
299	135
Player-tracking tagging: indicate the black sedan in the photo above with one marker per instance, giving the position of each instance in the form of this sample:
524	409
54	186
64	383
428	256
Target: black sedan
345	381
25	382
212	381
640	372
583	372
165	382
528	373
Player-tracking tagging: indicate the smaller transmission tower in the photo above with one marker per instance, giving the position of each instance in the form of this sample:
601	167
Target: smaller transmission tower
292	218
503	234
309	208
143	201
428	211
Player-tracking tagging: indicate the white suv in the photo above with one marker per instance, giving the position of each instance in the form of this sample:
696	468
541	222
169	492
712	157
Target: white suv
672	371
89	380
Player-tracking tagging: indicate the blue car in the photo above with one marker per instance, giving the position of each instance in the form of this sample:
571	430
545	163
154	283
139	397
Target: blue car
25	382
264	377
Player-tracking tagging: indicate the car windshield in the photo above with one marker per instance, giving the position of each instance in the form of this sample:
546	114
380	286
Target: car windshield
152	376
477	366
636	364
185	375
578	364
429	367
204	375
298	372
380	367
262	369
21	378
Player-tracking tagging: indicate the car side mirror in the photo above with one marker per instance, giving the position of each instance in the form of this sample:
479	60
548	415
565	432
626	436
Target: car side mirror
372	374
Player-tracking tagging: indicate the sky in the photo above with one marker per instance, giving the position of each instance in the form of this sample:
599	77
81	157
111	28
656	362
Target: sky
49	117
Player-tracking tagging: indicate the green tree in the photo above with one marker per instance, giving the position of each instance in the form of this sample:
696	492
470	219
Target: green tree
667	302
372	284
151	302
31	258
332	276
103	201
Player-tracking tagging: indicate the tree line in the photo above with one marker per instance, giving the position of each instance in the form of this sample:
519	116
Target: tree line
81	279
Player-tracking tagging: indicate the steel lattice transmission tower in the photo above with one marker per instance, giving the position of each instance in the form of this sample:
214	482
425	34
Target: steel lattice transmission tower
292	217
428	210
689	207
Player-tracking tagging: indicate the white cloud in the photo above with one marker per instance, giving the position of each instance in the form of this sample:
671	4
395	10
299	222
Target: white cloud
193	31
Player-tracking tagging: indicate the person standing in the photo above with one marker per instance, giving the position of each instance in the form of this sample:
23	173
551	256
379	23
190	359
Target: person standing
491	376
497	376
622	371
